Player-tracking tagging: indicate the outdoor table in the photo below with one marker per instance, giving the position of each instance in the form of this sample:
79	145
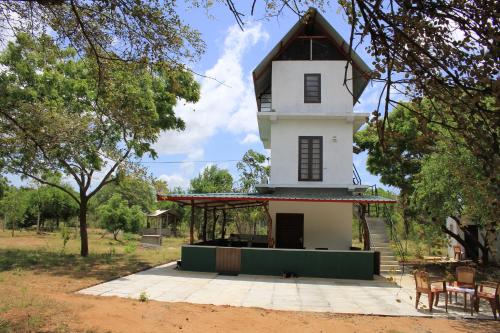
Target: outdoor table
466	291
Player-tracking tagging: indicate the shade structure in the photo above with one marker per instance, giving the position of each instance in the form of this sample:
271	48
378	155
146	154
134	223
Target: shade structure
243	200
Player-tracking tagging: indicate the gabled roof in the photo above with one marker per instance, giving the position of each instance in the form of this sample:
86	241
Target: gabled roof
360	72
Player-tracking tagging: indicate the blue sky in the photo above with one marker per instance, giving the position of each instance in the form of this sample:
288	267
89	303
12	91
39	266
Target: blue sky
223	125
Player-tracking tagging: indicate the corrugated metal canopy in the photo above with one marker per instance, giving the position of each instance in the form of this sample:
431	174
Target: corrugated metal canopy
361	73
243	200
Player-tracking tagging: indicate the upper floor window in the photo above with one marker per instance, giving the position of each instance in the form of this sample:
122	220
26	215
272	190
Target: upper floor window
312	88
310	158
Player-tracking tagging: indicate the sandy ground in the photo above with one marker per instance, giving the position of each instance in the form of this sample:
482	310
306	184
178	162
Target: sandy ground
52	299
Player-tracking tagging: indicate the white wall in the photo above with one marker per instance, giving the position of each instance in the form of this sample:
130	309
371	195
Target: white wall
326	224
288	87
452	225
337	156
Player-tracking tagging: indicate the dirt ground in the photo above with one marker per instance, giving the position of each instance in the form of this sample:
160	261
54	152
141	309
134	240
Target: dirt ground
36	296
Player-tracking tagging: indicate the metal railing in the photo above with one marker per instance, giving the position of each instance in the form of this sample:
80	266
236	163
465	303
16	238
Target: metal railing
394	237
356	179
265	103
373	209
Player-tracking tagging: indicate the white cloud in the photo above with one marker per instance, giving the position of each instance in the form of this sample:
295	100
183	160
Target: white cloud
228	107
175	180
250	138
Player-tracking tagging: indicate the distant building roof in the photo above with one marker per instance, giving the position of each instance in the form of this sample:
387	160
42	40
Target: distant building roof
160	212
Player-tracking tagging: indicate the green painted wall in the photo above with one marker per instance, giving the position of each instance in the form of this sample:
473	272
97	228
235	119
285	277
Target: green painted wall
198	258
329	264
311	263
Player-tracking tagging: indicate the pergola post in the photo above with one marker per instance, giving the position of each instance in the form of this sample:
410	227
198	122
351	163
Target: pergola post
215	223
224	220
204	228
191	226
270	241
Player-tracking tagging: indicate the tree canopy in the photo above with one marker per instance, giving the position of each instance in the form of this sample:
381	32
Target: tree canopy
212	180
54	119
140	31
252	170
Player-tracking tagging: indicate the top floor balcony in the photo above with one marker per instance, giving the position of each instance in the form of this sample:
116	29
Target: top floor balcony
265	103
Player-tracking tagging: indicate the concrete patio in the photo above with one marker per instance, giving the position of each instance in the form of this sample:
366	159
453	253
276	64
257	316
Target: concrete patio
380	297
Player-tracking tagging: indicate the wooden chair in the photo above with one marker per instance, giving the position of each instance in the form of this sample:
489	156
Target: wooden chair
489	291
465	278
457	252
424	285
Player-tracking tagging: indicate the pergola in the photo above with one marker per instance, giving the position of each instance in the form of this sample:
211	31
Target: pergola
226	201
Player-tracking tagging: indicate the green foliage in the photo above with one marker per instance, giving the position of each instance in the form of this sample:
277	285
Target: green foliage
75	119
134	189
66	236
115	216
140	31
451	183
212	180
143	297
252	170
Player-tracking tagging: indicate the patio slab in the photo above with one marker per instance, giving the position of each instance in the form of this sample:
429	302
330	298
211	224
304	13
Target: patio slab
378	297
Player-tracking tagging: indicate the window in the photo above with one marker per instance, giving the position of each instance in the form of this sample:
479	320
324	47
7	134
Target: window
312	88
310	158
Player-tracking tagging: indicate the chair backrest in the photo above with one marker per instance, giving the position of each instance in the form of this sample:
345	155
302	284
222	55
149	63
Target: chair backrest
422	281
466	275
457	249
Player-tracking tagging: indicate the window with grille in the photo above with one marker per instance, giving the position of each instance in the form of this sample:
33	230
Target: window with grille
312	88
310	158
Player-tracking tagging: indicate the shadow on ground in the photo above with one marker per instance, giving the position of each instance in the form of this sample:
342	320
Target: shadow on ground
104	266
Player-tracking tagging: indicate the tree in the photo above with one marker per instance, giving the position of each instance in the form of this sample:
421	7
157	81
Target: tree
14	205
132	31
451	184
115	216
134	188
406	142
252	170
211	180
53	118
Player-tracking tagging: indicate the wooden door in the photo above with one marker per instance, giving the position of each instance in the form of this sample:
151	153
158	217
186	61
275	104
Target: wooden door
227	259
290	231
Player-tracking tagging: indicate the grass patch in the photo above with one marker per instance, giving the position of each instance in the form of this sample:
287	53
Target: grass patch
32	266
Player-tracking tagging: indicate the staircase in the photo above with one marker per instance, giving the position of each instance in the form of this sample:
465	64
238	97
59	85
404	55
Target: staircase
380	242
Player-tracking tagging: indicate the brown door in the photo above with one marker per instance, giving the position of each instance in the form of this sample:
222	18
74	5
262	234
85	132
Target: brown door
290	231
227	259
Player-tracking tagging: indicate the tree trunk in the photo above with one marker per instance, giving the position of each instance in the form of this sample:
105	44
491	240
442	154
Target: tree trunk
204	227
223	228
215	224
84	250
13	226
366	231
38	222
191	224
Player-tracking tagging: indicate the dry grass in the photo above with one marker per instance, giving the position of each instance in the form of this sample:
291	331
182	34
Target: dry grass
27	257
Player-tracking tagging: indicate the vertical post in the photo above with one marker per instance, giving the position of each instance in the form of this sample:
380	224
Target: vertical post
204	228
166	226
224	220
270	241
161	222
191	226
215	223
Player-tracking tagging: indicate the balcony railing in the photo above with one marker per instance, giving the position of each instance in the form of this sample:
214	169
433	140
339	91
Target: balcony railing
265	103
356	179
